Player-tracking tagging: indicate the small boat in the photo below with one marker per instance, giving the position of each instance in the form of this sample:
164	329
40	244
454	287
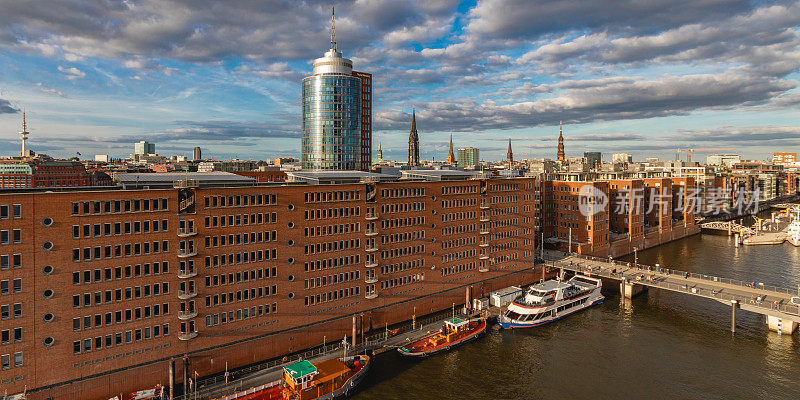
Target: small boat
330	379
146	394
793	233
455	332
395	332
551	300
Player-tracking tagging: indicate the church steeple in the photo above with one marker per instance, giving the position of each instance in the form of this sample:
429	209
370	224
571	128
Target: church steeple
380	152
451	157
510	154
413	142
560	154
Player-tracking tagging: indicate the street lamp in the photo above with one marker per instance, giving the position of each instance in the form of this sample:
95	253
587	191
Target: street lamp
635	257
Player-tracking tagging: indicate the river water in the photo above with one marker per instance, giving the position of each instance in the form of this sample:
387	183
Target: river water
660	345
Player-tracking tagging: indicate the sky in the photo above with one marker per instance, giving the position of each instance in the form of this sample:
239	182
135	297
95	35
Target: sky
642	77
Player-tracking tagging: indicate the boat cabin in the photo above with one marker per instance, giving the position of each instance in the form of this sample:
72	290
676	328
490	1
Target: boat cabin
300	374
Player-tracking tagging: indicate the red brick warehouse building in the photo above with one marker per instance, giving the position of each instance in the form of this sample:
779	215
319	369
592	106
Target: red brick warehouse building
110	285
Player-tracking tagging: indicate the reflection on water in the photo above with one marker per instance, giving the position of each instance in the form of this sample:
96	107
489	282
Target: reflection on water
659	345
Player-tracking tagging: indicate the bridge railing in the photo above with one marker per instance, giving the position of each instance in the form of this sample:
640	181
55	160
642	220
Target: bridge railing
782	305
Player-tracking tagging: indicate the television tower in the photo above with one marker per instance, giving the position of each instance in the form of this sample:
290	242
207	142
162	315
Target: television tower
24	133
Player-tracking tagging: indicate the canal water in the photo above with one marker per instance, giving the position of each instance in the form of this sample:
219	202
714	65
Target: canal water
660	345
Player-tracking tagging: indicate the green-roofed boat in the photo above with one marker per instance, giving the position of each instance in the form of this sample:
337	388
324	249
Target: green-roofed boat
455	332
303	380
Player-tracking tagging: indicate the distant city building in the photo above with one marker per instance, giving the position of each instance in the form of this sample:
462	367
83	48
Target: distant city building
759	167
509	153
144	148
451	157
784	158
226	166
593	158
560	154
331	123
284	160
15	175
197	154
379	155
621	158
468	157
366	119
413	142
42	173
727	160
101	157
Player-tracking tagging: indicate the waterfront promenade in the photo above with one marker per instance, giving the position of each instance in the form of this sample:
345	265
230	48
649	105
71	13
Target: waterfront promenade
771	301
243	379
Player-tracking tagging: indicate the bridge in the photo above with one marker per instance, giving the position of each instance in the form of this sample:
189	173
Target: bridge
774	302
729	226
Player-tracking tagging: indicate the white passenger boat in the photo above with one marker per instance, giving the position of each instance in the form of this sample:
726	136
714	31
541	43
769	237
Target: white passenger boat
551	300
793	233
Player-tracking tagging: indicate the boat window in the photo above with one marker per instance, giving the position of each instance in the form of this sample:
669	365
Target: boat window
512	315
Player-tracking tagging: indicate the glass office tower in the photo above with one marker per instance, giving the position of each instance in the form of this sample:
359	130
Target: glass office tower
332	115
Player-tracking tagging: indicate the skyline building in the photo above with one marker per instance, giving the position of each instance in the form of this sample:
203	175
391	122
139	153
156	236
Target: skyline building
413	142
144	147
509	154
593	158
197	154
621	158
468	157
332	135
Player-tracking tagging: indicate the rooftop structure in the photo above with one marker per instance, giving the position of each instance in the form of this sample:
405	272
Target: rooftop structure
337	177
178	179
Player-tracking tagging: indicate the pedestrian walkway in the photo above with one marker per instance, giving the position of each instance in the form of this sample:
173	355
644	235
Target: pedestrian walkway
752	296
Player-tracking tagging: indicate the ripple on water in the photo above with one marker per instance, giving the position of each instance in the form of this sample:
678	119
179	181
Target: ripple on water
660	345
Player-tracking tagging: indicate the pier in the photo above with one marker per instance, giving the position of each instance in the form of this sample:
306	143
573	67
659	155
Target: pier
775	303
769	231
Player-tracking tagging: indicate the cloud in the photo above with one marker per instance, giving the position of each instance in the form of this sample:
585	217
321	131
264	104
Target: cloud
7	108
72	72
584	103
277	70
756	134
46	90
514	19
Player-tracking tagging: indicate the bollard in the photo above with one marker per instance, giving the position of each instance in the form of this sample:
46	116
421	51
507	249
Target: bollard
734	305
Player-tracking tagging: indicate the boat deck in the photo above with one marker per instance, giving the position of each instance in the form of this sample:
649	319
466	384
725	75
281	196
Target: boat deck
438	341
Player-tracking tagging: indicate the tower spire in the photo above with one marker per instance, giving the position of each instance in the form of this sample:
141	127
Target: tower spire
333	28
24	133
413	141
510	154
451	157
560	154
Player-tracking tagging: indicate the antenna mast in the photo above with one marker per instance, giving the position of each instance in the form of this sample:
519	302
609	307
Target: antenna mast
333	28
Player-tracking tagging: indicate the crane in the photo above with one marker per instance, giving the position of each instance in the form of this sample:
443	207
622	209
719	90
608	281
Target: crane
689	151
